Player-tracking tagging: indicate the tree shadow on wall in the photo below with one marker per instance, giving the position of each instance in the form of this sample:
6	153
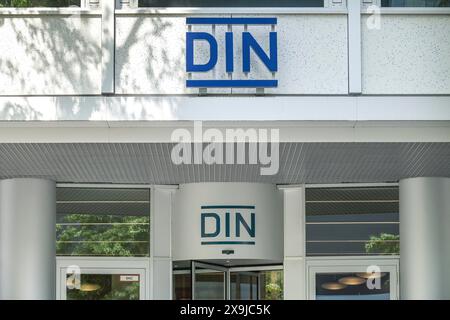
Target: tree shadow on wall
60	54
152	42
47	55
19	111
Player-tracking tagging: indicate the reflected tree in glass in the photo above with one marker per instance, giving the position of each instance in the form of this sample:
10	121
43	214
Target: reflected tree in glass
384	243
103	235
273	285
104	287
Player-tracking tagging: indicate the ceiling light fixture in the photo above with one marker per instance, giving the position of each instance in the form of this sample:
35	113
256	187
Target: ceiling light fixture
89	287
352	281
333	286
371	275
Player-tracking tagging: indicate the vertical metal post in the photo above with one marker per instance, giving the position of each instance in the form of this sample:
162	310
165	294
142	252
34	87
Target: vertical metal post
192	279
108	46
258	288
354	47
228	284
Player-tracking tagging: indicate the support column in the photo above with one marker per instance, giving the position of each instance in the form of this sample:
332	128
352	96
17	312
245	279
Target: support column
27	239
161	234
294	243
424	238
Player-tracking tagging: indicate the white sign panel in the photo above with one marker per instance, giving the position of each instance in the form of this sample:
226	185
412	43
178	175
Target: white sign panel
228	221
129	278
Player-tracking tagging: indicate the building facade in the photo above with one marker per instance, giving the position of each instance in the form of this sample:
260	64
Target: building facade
225	149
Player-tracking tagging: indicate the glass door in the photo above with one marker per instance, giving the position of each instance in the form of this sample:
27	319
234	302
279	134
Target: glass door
256	283
203	281
244	285
209	281
103	284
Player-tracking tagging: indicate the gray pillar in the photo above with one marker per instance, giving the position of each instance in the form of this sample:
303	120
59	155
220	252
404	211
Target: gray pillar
27	239
425	238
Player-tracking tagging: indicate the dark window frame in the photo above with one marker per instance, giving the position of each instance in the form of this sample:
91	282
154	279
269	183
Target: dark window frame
232	3
414	4
41	3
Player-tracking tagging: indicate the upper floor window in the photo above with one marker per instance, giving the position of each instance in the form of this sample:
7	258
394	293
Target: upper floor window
103	222
415	3
231	3
356	221
39	3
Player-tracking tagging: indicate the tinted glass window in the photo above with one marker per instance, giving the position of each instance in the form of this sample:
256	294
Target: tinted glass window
231	3
271	285
182	280
104	287
103	222
39	3
352	221
415	3
352	286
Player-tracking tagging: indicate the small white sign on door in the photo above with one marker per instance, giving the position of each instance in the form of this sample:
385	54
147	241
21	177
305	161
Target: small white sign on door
129	278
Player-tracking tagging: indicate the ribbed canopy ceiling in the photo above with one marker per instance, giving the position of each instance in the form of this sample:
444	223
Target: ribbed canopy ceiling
151	163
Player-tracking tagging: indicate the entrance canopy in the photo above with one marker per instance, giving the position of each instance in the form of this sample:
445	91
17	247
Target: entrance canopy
151	163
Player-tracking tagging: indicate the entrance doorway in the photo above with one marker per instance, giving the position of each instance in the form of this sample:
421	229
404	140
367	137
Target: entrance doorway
101	278
200	280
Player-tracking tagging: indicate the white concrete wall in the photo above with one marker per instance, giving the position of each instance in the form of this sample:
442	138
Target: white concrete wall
409	54
50	54
149	55
57	53
312	55
107	110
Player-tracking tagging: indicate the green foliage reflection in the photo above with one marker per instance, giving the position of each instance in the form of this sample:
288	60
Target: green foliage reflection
104	287
273	285
384	243
103	235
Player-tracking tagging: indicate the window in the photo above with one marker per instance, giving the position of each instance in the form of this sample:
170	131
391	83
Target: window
271	285
40	3
231	3
356	278
415	3
182	280
352	286
86	278
352	221
104	287
103	222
